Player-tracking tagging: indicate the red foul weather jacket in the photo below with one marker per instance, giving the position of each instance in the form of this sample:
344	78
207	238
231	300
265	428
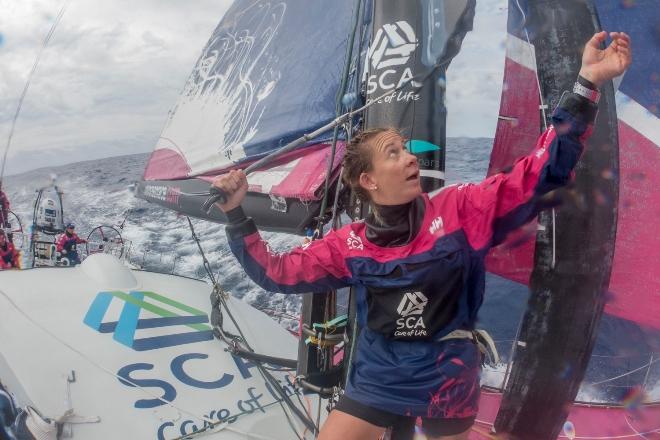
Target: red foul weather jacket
68	242
8	256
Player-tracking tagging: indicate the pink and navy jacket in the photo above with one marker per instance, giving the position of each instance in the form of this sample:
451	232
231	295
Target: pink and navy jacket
68	242
412	295
8	256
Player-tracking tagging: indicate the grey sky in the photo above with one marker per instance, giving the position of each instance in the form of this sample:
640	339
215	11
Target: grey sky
113	69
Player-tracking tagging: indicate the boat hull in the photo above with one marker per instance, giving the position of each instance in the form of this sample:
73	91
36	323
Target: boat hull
115	344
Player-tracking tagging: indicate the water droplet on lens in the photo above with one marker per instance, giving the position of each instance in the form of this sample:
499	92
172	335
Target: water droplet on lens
569	430
607	174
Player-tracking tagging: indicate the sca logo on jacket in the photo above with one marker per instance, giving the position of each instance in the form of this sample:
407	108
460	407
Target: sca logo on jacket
411	308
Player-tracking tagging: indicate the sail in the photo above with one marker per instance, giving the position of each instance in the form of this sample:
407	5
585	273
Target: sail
518	127
269	74
572	256
635	284
634	288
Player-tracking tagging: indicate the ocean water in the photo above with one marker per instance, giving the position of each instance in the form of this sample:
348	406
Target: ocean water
98	193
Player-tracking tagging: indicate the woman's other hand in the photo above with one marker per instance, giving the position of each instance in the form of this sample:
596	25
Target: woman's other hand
234	184
601	65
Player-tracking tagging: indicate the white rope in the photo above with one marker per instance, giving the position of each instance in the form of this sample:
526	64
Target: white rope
215	425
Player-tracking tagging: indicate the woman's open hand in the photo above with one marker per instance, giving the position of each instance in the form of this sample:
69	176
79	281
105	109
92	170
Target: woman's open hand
601	65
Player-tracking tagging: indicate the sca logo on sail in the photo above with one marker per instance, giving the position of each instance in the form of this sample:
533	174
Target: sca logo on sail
388	54
125	328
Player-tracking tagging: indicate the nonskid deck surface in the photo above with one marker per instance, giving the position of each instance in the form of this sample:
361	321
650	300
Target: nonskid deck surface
111	342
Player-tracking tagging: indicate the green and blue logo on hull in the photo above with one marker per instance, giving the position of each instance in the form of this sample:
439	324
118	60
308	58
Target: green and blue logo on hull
418	146
129	321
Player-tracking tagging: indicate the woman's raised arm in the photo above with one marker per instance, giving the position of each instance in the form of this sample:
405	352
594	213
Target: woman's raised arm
316	267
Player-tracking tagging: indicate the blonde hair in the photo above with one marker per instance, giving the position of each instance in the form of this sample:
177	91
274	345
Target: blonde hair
358	159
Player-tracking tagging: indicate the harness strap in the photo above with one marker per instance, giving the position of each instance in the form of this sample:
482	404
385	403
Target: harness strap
483	341
458	334
339	321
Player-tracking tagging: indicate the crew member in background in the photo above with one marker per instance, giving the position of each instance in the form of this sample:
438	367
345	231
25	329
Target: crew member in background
67	244
4	209
9	257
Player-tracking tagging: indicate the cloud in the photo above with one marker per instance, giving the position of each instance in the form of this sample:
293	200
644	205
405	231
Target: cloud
113	70
474	78
107	79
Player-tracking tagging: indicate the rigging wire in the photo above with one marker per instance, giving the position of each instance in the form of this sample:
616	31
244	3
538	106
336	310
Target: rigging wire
324	353
218	298
626	373
338	107
27	84
648	371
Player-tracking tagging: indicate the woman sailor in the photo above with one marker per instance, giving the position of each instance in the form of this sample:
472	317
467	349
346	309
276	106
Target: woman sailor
9	256
417	262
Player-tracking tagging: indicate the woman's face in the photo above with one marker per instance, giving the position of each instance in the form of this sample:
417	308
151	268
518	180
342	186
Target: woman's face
394	177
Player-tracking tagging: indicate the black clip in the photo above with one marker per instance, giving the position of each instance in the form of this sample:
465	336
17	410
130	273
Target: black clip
216	195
